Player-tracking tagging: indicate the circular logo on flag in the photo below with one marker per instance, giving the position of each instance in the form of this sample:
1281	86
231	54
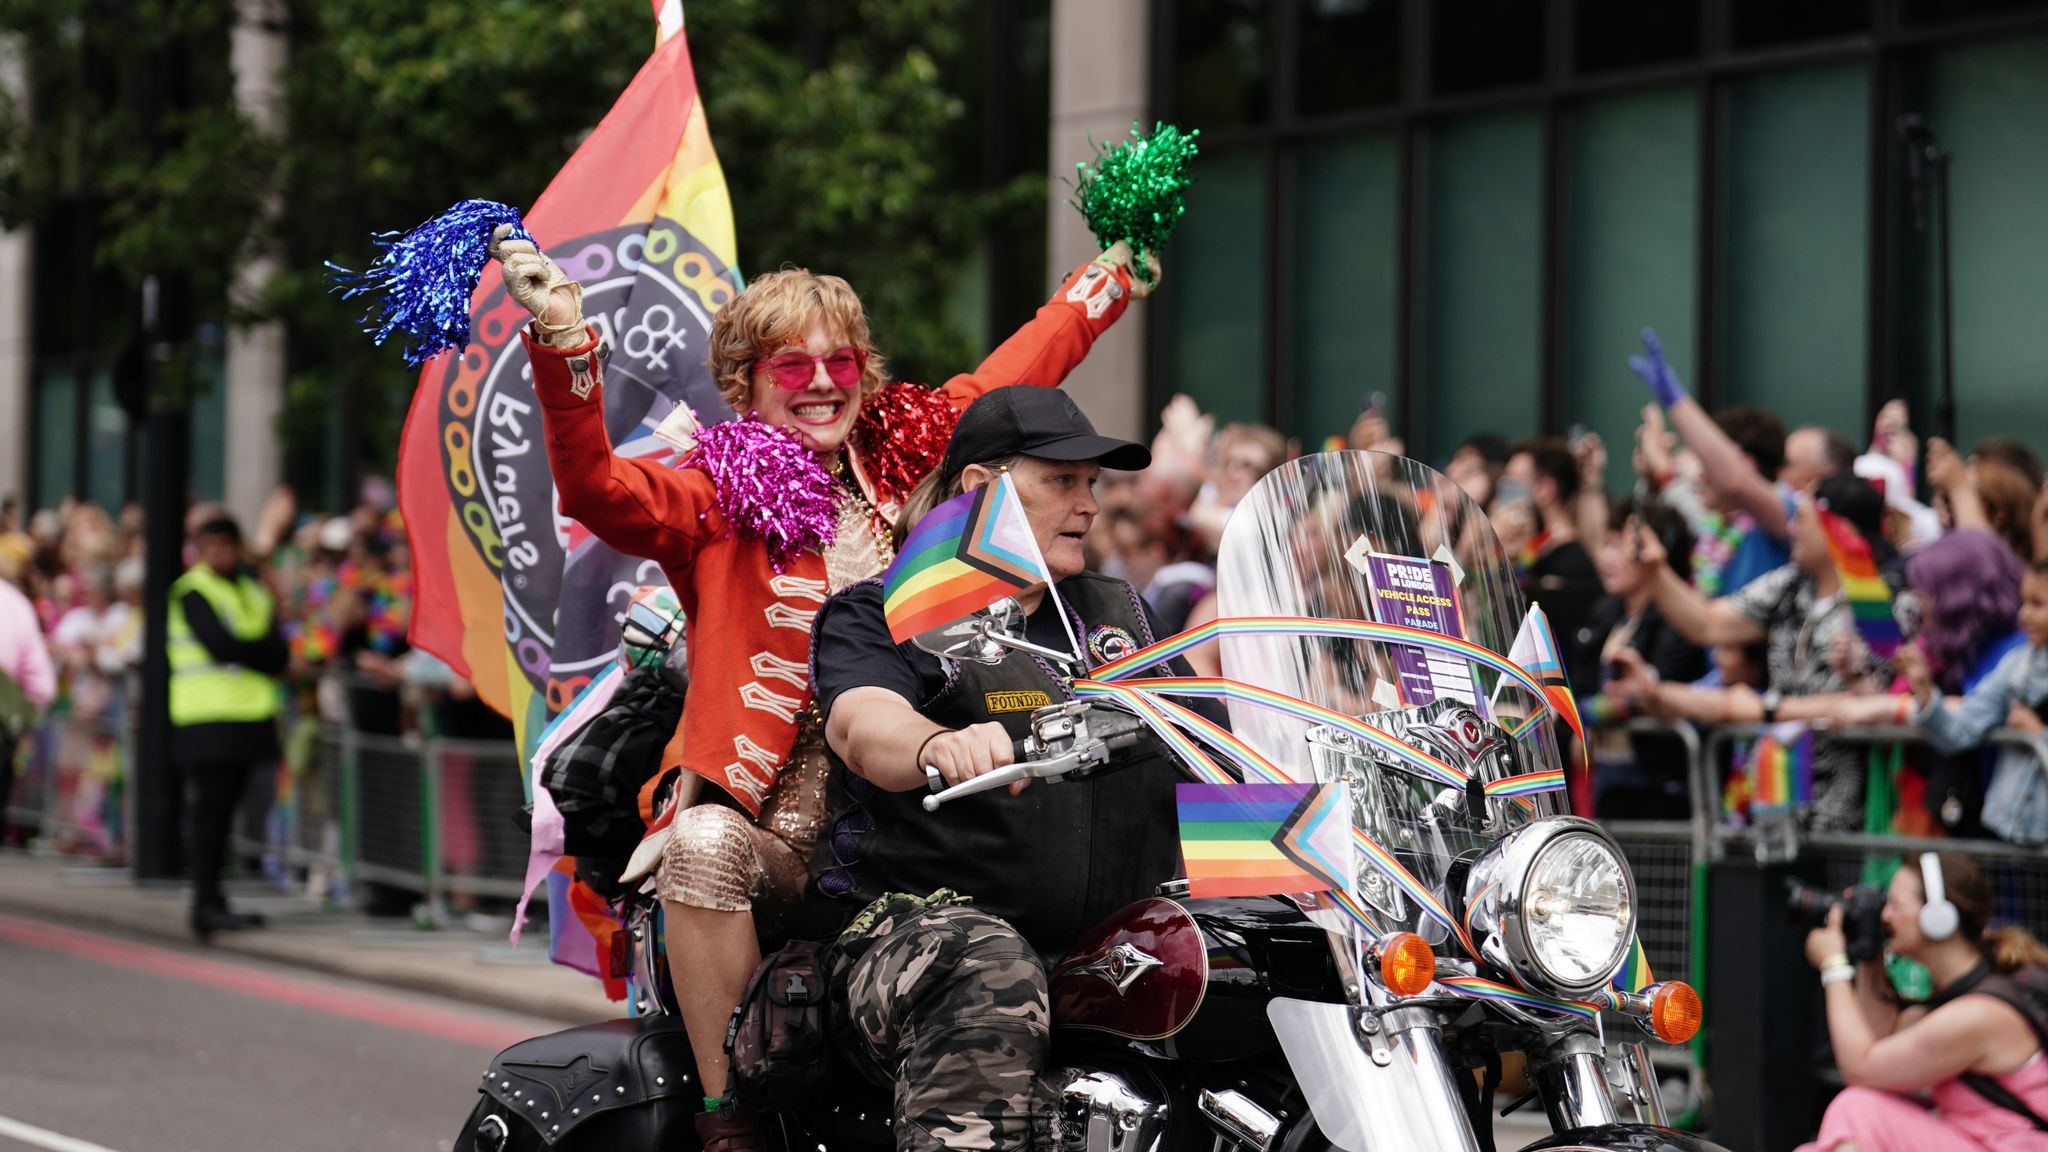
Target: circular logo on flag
650	292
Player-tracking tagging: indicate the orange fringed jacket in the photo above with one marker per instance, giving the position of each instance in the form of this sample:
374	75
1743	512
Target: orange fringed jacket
749	625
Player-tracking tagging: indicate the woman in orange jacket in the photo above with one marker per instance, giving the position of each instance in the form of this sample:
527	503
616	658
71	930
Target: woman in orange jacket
765	517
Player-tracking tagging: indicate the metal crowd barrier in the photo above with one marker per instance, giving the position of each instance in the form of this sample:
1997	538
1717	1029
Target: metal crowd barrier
420	815
69	785
1671	861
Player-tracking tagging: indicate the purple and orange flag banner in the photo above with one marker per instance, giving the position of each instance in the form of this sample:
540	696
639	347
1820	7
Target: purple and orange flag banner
512	596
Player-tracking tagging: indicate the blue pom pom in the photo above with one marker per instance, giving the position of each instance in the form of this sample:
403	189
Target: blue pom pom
423	282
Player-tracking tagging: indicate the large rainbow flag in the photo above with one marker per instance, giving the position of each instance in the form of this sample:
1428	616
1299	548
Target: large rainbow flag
510	595
965	555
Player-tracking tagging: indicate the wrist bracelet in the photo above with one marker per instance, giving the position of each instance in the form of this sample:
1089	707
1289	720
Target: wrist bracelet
1838	974
1838	960
927	743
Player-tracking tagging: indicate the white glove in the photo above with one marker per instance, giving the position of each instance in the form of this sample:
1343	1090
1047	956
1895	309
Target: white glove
1118	255
541	287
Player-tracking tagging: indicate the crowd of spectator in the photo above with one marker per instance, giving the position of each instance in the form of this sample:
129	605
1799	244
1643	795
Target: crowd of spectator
1705	593
343	585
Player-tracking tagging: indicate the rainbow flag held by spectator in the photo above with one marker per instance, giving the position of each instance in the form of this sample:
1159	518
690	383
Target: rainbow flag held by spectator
1869	597
1781	767
1265	839
965	555
514	602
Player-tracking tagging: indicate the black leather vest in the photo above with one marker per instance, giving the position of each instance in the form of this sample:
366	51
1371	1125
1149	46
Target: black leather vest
1054	860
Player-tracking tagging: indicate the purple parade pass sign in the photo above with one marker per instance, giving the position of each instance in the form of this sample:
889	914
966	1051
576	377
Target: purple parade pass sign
1415	592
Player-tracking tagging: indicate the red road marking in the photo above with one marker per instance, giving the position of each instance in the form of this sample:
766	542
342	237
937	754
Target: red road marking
352	1004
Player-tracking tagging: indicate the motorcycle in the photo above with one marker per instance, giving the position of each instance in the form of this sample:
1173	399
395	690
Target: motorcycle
1497	922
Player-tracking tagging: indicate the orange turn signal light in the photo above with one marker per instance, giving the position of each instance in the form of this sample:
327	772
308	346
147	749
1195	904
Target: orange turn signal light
1407	964
1675	1012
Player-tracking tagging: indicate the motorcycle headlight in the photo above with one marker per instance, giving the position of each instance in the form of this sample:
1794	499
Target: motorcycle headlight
1555	901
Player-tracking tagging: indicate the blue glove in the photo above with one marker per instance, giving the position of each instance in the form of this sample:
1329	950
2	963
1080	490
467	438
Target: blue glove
1657	375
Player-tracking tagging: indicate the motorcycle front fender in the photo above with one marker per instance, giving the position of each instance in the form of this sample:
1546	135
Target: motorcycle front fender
1623	1138
1394	1097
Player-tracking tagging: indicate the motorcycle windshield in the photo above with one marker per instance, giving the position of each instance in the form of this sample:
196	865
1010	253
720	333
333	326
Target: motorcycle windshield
1364	536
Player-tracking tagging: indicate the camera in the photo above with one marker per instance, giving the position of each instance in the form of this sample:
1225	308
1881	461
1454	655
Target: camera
1862	915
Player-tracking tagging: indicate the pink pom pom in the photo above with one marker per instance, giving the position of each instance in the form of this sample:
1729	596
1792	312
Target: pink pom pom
770	487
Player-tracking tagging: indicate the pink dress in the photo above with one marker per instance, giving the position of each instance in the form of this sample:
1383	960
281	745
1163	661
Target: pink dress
1961	1121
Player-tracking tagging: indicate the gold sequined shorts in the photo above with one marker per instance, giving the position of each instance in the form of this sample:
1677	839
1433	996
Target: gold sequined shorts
718	859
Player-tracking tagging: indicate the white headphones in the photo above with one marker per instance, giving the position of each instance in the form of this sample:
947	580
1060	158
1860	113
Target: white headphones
1939	919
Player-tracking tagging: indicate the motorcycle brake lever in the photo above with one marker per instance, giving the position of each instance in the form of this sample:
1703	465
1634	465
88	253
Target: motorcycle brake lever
1053	767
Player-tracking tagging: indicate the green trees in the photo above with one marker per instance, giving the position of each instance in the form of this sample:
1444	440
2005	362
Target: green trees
846	129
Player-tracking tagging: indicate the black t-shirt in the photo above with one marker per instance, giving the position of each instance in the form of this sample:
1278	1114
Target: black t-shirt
1566	583
851	648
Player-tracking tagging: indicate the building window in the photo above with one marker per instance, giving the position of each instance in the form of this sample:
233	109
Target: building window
1350	56
1347	282
1475	206
1632	261
1482	318
1217	352
1220	62
1795	227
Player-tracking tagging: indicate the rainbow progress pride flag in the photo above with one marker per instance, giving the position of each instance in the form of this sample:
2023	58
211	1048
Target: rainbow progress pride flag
515	602
1869	597
965	555
1265	839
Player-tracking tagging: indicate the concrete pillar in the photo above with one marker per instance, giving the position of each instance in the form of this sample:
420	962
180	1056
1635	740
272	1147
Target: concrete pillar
1100	84
17	291
259	52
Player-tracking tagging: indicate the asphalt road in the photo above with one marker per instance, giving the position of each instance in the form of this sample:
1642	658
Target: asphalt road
134	1047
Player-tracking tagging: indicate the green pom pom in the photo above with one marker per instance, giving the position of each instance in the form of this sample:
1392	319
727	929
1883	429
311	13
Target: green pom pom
1132	190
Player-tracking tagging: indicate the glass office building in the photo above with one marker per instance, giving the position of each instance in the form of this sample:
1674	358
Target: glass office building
1472	207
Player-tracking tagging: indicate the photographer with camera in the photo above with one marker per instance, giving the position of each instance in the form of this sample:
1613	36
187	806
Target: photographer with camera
1974	1046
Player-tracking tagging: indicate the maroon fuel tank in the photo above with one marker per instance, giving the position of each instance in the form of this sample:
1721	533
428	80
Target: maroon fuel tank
1141	974
1190	979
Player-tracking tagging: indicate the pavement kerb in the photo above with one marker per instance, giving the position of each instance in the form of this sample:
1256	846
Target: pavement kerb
533	990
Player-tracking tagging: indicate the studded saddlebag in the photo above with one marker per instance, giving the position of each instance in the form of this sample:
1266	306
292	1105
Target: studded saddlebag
622	1084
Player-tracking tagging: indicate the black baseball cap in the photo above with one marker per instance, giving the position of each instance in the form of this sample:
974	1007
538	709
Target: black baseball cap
1026	420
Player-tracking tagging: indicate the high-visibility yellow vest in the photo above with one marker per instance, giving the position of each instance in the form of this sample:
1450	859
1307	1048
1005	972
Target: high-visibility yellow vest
206	692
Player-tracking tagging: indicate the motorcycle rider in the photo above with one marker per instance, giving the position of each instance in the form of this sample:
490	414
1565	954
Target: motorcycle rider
937	982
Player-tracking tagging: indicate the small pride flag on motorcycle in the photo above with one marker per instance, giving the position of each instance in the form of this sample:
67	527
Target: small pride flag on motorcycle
965	555
1535	651
1265	839
1869	597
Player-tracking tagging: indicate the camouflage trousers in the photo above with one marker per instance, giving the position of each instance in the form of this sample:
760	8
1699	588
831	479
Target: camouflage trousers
948	1004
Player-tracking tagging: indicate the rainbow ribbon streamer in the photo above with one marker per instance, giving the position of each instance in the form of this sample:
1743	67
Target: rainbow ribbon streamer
1516	788
1310	626
1165	718
1480	988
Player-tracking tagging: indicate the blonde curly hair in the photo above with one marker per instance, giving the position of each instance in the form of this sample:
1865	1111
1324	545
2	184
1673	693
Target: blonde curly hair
776	311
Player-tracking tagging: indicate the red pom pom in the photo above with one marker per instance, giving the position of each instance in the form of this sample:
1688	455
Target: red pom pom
901	433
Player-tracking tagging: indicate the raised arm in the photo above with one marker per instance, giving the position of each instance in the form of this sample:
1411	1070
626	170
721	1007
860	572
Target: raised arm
1054	341
639	507
1721	460
1702	621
